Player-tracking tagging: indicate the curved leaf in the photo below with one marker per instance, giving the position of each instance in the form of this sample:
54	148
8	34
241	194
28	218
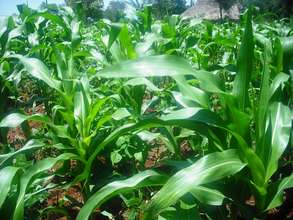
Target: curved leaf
208	196
30	174
31	145
279	135
163	65
280	79
208	169
143	179
38	69
276	190
81	109
6	177
15	119
192	93
191	118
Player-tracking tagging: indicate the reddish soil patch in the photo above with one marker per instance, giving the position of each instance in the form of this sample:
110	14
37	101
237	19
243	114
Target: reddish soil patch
154	155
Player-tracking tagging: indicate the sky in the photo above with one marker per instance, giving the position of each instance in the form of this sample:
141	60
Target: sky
8	7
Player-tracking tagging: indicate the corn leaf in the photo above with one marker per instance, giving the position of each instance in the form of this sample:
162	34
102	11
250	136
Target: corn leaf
173	213
208	196
276	190
265	91
15	119
143	179
38	69
81	109
280	118
30	146
7	175
245	64
208	169
163	65
38	168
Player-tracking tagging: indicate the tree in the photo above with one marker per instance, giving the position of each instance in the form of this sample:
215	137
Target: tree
51	7
178	6
225	5
279	7
167	7
138	4
91	8
115	10
160	7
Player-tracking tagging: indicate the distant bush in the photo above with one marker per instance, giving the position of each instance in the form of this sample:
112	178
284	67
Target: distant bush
280	7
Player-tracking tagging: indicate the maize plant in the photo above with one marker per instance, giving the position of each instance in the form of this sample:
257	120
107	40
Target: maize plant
213	99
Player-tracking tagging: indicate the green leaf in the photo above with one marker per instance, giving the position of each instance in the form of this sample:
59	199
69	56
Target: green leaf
185	102
30	146
81	109
240	121
15	119
143	179
208	196
143	81
115	157
189	115
245	64
163	65
208	169
179	213
209	82
38	69
55	19
276	190
7	175
280	79
38	168
281	118
287	44
94	109
114	33
192	93
120	114
264	92
75	34
126	43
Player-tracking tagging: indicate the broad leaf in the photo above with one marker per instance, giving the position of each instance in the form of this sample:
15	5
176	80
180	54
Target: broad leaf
30	146
6	177
281	121
276	190
143	179
38	69
245	64
208	169
163	65
81	109
15	119
208	196
39	168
